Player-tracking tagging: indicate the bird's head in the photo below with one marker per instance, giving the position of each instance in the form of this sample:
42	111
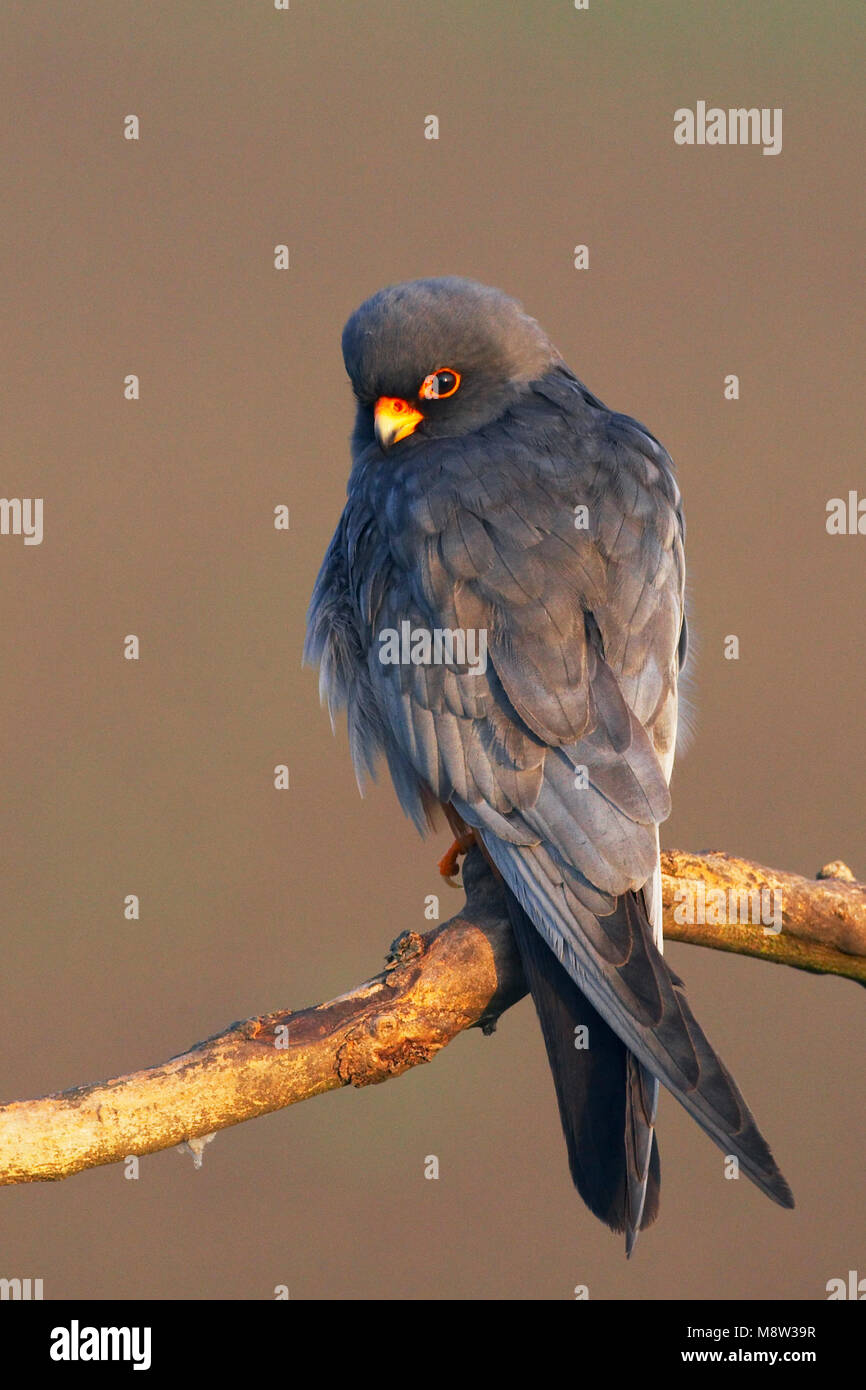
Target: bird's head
439	357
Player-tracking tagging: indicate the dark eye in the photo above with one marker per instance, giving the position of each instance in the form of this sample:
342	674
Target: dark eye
439	384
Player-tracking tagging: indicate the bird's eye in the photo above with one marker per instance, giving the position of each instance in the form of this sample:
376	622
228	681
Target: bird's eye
439	384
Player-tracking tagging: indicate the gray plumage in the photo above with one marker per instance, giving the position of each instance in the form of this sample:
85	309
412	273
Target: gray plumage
469	523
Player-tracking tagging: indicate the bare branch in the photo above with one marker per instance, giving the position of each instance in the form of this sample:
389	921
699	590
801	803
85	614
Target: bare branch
460	975
823	923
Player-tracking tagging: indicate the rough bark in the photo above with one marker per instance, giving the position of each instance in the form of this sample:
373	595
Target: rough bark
460	975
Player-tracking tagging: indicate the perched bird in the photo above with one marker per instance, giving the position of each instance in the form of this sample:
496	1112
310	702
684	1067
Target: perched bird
493	498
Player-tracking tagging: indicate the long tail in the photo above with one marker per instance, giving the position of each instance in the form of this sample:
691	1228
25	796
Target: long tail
615	965
606	1099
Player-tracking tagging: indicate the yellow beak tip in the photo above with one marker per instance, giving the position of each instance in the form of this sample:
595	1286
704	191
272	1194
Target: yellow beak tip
395	419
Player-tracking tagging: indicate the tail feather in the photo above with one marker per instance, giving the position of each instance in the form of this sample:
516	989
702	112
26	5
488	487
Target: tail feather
616	963
642	1150
642	1094
606	1099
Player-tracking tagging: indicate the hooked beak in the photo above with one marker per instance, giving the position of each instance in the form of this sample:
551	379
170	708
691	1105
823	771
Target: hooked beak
394	419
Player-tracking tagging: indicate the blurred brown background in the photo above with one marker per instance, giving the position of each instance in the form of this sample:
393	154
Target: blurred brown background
156	257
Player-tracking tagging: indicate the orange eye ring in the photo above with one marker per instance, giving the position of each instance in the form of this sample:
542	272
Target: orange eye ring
432	389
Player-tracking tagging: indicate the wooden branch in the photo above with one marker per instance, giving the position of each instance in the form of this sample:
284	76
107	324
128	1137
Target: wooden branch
460	975
823	923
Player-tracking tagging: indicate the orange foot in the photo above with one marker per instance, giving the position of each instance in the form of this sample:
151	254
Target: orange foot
448	862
